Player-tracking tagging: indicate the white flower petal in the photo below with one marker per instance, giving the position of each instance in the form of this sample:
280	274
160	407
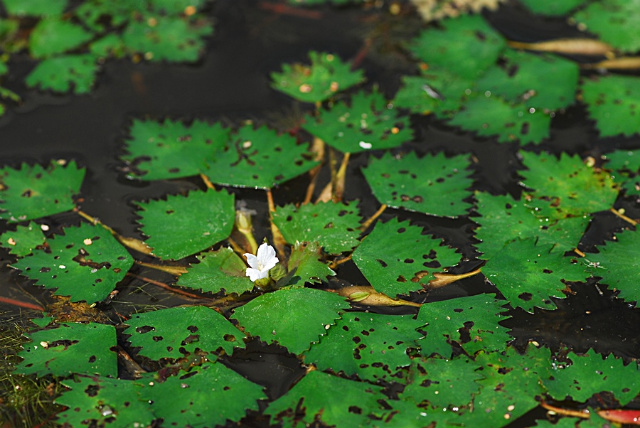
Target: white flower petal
262	262
255	274
252	260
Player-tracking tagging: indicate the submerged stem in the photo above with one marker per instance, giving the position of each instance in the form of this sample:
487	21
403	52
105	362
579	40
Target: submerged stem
173	270
624	217
443	279
278	239
373	218
318	148
166	286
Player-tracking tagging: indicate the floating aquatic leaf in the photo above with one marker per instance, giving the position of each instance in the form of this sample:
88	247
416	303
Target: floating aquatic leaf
590	374
70	348
333	225
614	21
367	123
183	225
293	317
527	273
626	167
616	263
217	271
305	259
492	116
565	186
176	332
465	46
206	396
436	90
552	7
478	315
317	82
328	399
612	101
23	240
397	258
369	345
171	149
85	263
32	191
53	36
432	184
259	158
103	401
65	73
176	7
34	7
92	13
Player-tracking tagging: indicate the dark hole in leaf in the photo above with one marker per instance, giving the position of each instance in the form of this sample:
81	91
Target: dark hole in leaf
355	409
45	269
26	194
192	328
345	328
157	338
169	211
382	263
525	128
229	338
329	225
365	332
170	348
525	296
62	342
357	339
547	271
92	390
92	359
190	339
401	279
408	260
174	171
144	329
480	35
188	375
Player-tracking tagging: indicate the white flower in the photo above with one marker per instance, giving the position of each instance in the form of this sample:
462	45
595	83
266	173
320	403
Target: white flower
262	263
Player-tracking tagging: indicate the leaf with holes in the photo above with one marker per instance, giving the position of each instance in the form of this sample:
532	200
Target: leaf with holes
64	73
367	123
573	188
432	184
206	396
176	332
369	345
92	14
171	149
478	316
85	263
328	399
466	46
32	191
23	240
333	225
34	7
259	158
52	36
314	83
305	259
396	258
167	38
591	374
492	116
292	317
612	102
184	225
528	273
218	270
614	21
552	7
102	401
626	167
505	219
616	262
70	348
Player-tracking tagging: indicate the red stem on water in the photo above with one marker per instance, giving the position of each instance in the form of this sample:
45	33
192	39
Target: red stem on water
26	305
283	9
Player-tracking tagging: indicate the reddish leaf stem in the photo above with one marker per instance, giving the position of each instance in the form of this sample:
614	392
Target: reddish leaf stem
21	304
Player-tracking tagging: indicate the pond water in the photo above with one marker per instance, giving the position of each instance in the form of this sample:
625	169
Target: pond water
231	83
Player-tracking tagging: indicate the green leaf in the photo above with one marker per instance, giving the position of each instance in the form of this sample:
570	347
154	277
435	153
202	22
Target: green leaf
64	73
369	345
70	348
167	38
23	240
183	225
34	7
397	258
305	258
552	7
92	13
614	21
317	82
626	167
612	102
616	263
104	402
368	123
32	191
527	274
53	36
432	184
466	46
492	116
591	374
479	315
328	399
176	332
175	7
541	82
217	271
85	263
573	188
259	158
335	226
207	396
293	317
171	149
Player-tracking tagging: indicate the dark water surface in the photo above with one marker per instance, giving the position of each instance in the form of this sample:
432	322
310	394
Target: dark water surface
231	83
